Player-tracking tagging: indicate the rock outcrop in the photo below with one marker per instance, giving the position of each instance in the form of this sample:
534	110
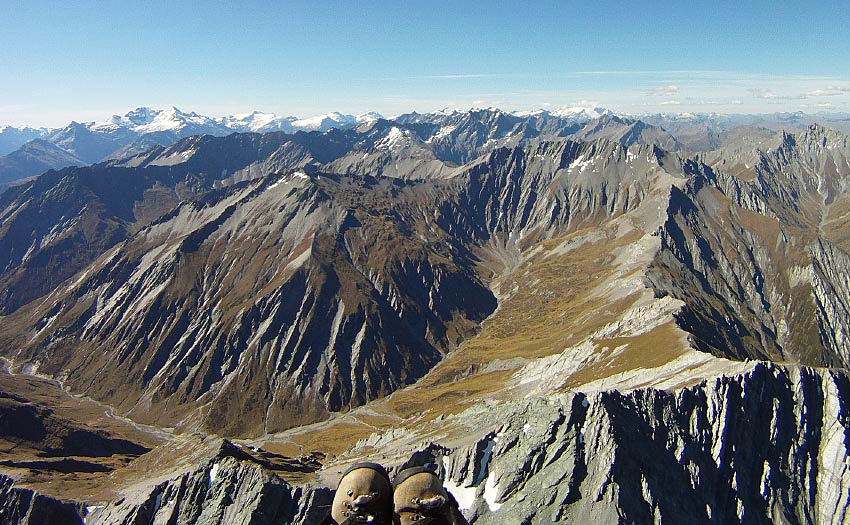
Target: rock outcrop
768	445
23	506
231	488
759	258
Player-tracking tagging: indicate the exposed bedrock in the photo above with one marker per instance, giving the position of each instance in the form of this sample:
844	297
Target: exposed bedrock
767	446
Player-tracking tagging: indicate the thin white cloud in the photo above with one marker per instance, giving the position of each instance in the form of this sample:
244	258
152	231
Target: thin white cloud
468	76
767	94
664	91
763	93
671	103
648	73
831	91
692	74
457	76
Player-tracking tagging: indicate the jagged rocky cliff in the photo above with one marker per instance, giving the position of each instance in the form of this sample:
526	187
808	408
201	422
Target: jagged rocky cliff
769	445
757	257
230	488
23	506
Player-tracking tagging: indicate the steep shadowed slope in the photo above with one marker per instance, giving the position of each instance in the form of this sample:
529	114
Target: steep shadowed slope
57	224
279	302
759	257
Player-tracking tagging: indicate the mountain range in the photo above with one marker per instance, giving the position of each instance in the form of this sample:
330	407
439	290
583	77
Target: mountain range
569	315
26	152
86	143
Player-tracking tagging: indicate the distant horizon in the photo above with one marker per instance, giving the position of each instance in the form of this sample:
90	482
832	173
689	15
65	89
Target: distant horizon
106	116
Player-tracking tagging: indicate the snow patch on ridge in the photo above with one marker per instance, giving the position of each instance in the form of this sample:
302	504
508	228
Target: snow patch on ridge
465	496
395	139
491	493
580	163
213	474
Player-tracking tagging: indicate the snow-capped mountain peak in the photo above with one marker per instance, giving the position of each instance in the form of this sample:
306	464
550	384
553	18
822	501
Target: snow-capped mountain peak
369	116
257	121
147	120
582	113
324	122
140	116
172	119
395	139
530	113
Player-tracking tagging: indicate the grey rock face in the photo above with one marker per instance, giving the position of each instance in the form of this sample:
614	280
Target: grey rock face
231	488
759	257
550	187
771	445
768	446
222	492
22	506
831	288
226	490
459	137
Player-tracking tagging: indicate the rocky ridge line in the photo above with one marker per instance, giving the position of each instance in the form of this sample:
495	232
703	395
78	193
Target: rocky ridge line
768	445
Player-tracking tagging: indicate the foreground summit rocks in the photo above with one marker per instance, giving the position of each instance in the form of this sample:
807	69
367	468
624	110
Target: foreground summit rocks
767	445
771	444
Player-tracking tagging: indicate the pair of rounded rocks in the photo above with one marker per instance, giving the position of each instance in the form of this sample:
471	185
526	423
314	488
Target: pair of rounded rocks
415	497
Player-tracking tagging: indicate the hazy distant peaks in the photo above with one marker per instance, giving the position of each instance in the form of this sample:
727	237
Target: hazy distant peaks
580	112
575	113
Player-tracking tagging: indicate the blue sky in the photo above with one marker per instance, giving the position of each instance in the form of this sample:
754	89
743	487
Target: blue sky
88	60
